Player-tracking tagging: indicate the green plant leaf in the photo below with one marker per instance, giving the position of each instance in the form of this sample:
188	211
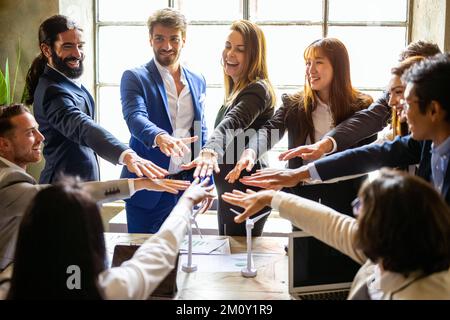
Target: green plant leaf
18	54
8	85
2	89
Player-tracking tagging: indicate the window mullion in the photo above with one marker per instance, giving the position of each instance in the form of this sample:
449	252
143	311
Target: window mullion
325	14
246	9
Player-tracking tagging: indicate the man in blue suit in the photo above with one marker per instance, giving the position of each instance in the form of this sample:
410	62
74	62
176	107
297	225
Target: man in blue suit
427	101
162	104
65	110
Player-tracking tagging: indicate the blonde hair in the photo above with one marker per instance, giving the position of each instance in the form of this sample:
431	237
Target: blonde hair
255	66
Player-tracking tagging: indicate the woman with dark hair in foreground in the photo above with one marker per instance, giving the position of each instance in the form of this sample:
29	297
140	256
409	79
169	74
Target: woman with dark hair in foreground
62	231
400	236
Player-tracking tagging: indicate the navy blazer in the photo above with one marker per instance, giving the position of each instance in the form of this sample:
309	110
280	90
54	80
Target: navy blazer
403	151
66	113
146	112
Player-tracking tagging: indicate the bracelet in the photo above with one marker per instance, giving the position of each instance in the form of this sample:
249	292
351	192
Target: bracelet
207	150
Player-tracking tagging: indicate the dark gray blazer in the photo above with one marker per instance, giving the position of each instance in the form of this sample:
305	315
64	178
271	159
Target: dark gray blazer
293	119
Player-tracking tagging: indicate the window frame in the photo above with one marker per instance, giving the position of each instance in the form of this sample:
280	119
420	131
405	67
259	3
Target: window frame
324	23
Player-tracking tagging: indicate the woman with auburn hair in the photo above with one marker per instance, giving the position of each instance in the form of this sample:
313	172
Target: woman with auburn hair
248	104
327	99
400	236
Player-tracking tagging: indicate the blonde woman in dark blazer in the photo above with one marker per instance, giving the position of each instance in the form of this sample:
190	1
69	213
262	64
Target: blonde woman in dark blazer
249	103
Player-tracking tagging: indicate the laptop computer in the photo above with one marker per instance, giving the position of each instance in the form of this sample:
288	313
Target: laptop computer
318	271
167	289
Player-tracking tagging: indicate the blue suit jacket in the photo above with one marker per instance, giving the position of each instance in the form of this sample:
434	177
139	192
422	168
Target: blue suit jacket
65	113
401	152
146	112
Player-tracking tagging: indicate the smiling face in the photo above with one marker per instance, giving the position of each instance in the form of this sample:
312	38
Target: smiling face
234	55
420	124
24	143
319	73
167	44
67	54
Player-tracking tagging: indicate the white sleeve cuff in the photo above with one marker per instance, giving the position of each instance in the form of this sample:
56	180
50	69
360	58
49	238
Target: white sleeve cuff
123	154
334	145
131	187
313	173
276	201
253	153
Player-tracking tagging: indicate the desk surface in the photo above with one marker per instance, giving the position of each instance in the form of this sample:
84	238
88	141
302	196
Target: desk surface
270	259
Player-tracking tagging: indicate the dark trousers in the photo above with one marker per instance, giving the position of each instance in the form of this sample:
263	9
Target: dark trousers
144	220
225	217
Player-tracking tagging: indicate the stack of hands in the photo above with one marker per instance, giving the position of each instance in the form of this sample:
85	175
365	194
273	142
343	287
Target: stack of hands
207	163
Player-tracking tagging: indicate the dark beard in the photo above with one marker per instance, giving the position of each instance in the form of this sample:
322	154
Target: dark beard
166	61
61	66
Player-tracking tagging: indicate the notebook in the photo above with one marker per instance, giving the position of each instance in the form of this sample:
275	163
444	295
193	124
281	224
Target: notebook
167	289
317	271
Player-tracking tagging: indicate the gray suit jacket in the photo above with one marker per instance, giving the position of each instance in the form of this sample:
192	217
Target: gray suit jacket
17	189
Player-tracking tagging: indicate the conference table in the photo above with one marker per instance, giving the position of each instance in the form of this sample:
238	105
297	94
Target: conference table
218	276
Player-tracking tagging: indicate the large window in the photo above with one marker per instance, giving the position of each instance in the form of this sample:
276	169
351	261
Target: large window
373	31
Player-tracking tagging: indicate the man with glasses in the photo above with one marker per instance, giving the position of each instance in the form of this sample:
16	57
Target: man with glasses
163	106
427	101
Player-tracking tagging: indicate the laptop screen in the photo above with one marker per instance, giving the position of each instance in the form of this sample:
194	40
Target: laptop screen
314	265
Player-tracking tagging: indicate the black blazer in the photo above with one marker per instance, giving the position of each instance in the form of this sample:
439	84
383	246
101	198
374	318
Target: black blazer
292	119
240	121
403	151
362	124
66	113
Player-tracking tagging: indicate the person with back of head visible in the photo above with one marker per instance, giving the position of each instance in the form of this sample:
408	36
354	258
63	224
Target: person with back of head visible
65	110
55	247
163	104
400	234
20	145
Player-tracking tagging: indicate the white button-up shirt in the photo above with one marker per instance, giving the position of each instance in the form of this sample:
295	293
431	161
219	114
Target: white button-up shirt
181	109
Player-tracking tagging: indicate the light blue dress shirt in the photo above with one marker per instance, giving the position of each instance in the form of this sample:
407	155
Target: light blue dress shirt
439	162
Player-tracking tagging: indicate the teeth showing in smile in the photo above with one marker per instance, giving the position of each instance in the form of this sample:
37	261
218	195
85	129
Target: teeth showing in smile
73	63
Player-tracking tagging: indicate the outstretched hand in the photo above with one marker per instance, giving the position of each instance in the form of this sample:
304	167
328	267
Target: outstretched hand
140	166
251	201
309	152
198	192
204	165
161	185
276	179
247	161
171	146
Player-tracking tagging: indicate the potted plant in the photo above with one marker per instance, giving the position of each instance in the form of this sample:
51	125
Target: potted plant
8	88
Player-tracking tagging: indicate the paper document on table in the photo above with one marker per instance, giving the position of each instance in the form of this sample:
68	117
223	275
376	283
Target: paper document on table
206	245
229	263
218	263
